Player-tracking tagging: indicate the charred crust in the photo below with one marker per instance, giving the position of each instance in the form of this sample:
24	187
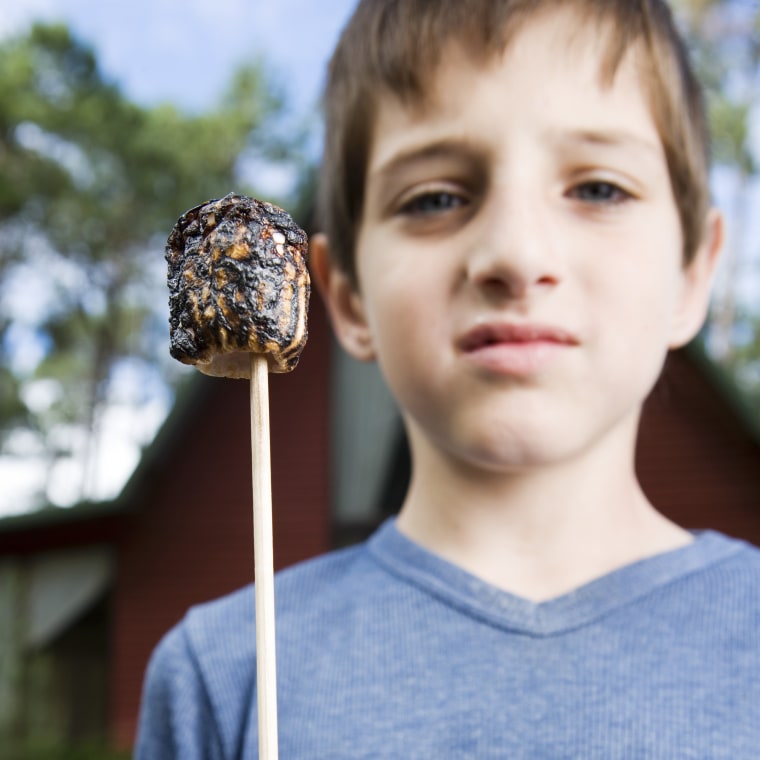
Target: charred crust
238	283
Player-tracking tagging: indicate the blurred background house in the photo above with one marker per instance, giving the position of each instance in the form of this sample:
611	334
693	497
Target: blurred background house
87	592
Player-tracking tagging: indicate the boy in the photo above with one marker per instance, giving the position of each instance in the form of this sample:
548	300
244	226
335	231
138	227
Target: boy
517	229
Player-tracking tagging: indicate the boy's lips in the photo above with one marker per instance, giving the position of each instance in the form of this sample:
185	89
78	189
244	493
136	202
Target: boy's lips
494	333
515	349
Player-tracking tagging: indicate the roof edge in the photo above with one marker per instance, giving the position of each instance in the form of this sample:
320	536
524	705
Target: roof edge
188	395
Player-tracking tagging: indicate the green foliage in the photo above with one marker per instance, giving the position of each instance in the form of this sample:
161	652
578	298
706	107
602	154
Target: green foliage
90	185
726	49
730	125
12	409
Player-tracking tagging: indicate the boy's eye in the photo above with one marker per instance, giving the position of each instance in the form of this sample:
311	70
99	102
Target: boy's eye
432	202
599	191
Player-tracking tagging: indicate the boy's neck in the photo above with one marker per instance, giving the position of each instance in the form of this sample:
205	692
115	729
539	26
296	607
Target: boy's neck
537	534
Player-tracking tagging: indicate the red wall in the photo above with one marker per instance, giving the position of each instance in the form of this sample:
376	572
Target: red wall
196	503
696	462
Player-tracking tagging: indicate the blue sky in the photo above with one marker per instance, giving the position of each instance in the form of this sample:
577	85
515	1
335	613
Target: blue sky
184	51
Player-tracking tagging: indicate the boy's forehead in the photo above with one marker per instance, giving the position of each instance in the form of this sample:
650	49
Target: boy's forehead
554	57
560	38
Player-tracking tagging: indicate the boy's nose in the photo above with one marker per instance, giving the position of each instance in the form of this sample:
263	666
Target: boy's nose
515	253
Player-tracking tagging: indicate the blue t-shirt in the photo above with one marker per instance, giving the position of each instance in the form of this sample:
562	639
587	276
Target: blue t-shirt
385	650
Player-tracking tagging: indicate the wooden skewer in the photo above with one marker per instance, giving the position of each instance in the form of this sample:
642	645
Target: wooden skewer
266	673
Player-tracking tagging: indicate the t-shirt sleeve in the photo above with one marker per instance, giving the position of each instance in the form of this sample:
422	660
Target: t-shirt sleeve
176	718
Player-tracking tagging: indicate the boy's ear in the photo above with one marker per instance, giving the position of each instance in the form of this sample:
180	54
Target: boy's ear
697	282
342	299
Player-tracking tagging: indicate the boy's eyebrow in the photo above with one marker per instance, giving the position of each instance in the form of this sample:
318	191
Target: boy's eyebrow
613	138
445	148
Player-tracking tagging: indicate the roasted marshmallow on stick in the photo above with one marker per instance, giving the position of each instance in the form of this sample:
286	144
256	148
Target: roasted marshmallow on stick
238	285
238	297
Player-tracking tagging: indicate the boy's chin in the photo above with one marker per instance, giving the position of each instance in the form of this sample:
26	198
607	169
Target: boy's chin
515	455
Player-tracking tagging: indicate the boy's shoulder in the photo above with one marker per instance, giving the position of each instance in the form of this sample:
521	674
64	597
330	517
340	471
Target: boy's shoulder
736	568
208	658
295	588
320	587
729	554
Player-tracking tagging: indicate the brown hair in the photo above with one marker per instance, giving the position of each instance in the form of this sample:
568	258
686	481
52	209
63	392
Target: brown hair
394	47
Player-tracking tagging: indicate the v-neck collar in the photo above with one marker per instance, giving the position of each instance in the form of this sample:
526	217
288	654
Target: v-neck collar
457	587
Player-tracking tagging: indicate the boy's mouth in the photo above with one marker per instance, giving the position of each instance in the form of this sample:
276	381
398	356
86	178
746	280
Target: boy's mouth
515	350
494	334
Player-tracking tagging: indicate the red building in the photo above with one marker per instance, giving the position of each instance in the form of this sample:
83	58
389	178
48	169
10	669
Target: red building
181	531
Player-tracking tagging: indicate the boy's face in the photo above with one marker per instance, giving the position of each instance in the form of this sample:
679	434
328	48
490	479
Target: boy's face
520	254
